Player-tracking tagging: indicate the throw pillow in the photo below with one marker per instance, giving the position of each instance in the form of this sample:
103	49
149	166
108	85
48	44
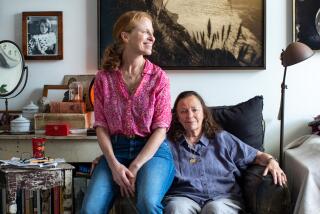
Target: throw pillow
244	120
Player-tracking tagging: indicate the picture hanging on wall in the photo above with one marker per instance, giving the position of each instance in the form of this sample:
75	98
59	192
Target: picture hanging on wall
42	35
306	22
206	34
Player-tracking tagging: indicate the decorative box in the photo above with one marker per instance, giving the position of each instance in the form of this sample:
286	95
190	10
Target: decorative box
57	129
78	123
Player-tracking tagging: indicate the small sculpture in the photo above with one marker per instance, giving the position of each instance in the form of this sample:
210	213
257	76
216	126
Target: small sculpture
43	104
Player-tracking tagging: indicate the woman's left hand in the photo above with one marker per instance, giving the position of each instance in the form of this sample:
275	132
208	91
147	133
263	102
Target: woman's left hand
277	173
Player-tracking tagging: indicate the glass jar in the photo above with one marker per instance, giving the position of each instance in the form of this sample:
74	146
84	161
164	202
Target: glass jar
75	91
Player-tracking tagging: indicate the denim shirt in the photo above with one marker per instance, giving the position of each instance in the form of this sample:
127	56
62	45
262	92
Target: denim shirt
209	171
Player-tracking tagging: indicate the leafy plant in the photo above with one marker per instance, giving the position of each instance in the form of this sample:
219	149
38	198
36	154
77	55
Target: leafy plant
3	88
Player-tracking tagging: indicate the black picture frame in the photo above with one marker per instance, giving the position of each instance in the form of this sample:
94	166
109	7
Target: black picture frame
238	42
38	45
306	22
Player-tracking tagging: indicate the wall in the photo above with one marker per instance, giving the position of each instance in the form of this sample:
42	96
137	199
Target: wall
217	87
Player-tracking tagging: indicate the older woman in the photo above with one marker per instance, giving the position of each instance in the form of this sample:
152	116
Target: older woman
208	160
132	113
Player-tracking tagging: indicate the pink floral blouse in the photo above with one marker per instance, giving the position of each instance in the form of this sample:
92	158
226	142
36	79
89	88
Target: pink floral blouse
140	113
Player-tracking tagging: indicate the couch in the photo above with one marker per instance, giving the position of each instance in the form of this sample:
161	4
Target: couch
245	120
261	196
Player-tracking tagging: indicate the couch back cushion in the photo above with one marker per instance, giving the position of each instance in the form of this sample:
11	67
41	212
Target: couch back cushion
244	120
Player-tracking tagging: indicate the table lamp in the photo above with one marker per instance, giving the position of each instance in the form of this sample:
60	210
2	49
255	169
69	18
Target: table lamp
295	52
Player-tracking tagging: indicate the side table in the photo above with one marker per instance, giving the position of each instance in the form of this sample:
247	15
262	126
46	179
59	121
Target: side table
13	179
302	168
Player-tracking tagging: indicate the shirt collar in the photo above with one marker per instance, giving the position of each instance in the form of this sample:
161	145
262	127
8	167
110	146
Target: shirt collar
147	67
203	140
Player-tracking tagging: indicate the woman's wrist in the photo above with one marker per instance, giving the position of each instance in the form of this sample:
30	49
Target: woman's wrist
271	158
112	163
134	166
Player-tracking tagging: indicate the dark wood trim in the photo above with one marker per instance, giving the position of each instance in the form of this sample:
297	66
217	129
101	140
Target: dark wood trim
59	55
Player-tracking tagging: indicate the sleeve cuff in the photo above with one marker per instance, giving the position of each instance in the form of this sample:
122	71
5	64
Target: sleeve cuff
100	124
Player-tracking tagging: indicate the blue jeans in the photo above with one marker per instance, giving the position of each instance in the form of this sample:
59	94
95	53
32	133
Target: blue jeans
153	179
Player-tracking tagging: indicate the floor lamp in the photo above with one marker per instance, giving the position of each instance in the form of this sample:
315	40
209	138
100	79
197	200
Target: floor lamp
295	52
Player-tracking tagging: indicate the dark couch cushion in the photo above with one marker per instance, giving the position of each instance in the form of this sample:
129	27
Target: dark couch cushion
244	120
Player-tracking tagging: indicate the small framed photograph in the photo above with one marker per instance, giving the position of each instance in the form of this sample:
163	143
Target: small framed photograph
42	35
306	22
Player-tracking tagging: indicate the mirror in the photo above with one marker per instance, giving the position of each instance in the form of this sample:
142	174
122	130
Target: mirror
12	72
11	67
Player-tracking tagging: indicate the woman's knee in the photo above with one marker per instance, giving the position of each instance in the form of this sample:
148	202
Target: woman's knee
222	206
180	205
175	208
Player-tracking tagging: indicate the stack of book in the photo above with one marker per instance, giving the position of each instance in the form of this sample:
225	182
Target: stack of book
37	201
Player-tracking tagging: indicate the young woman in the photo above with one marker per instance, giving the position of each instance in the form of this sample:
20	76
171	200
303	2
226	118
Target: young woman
132	113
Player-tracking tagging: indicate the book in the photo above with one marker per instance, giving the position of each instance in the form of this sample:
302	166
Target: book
34	202
67	107
56	200
19	201
28	208
3	201
46	202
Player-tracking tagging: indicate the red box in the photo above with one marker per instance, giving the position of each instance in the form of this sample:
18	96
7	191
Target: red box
57	129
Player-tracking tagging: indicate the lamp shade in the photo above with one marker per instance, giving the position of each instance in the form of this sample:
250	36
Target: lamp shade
295	52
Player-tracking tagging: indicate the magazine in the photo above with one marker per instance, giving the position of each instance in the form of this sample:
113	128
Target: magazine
33	162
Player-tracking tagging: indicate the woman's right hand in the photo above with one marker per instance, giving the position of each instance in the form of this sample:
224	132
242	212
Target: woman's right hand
122	176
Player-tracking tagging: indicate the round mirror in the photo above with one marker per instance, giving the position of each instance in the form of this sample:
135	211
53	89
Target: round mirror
317	21
11	67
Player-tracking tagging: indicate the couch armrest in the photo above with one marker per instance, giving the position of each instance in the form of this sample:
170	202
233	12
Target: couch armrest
261	195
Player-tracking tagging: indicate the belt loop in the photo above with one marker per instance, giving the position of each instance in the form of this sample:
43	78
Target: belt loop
114	138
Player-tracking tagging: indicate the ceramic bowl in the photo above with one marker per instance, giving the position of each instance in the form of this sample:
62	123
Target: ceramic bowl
20	124
29	110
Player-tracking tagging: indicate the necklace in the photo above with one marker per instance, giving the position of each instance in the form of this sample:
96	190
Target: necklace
132	80
193	159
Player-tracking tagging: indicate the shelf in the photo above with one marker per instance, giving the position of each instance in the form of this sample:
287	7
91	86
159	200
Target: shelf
30	136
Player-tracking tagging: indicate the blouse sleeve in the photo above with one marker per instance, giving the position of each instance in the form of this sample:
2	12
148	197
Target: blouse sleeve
99	116
241	153
162	108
